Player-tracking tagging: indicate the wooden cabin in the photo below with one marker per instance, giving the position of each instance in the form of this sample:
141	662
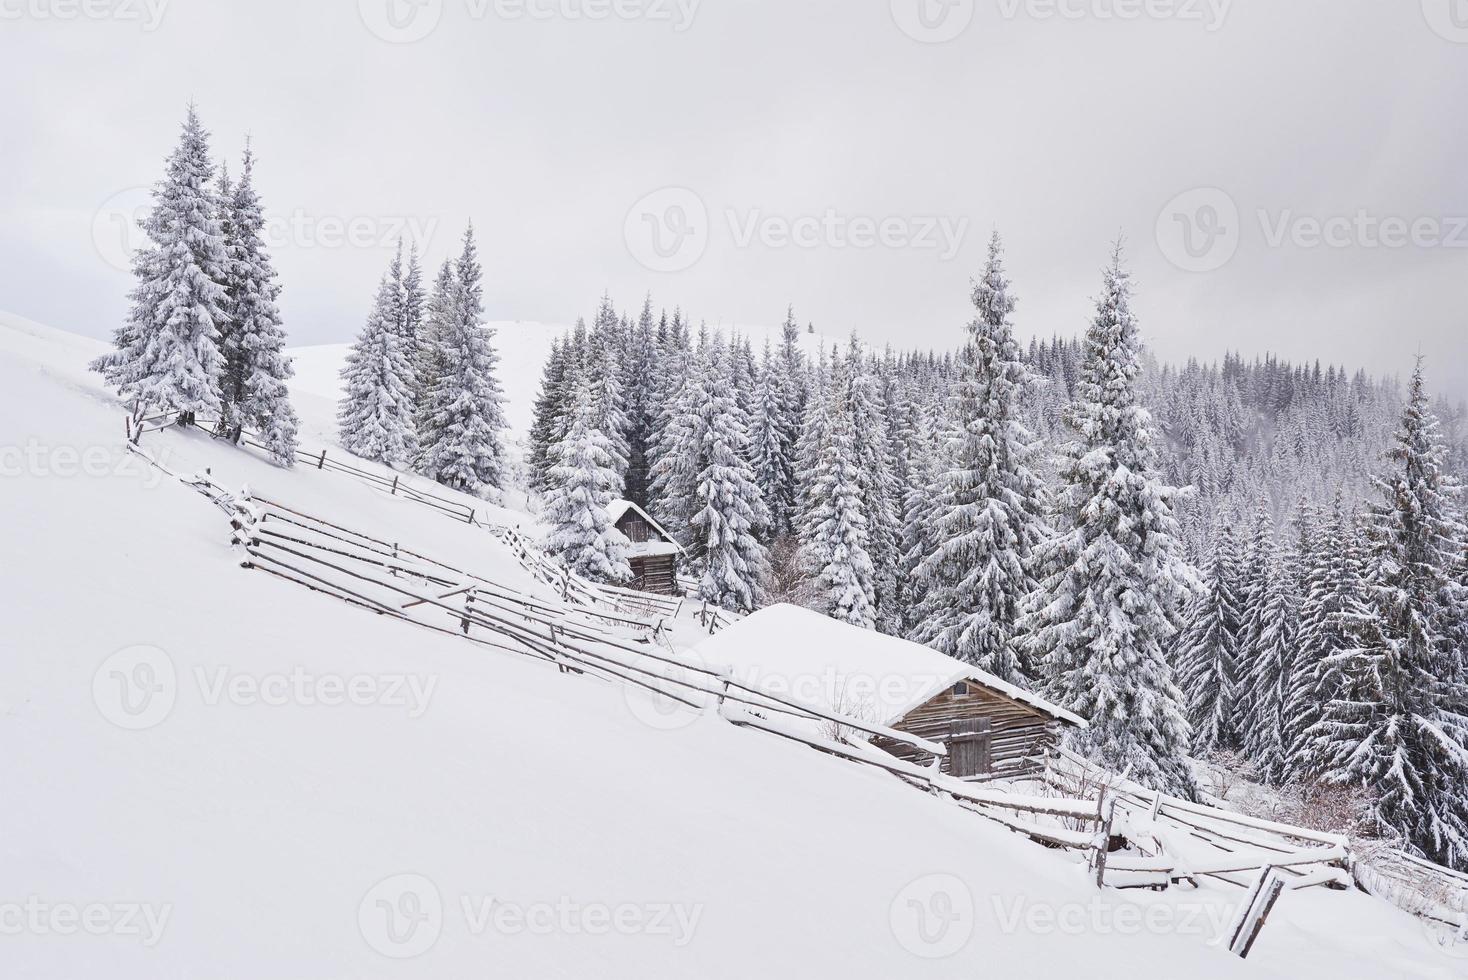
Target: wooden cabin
991	728
653	554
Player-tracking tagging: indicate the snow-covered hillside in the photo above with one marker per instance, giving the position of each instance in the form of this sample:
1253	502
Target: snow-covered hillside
185	797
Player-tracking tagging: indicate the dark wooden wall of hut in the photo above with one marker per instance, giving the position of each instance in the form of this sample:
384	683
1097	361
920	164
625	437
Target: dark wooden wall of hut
1016	730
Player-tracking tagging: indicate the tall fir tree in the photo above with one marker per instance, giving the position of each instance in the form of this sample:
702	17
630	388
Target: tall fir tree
582	486
989	517
1398	726
1207	656
772	446
465	409
167	351
730	510
253	386
1115	585
375	415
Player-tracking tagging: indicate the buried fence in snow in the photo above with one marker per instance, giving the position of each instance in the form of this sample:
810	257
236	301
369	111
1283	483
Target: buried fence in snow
388	579
374	574
572	587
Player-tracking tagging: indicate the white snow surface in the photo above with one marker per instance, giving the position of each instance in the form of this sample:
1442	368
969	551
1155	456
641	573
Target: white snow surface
266	837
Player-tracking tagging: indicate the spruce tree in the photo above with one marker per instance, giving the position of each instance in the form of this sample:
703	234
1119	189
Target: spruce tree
835	546
465	412
1207	655
734	563
167	352
990	515
1398	726
1112	597
582	485
253	381
375	415
771	446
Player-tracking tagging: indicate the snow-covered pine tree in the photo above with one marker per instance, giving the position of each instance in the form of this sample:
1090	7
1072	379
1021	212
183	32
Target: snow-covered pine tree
1331	593
1115	585
879	492
639	368
990	514
602	369
680	458
167	352
253	379
429	358
835	540
734	562
1207	653
375	415
552	406
771	446
1264	678
810	451
921	502
1398	727
465	408
582	485
413	300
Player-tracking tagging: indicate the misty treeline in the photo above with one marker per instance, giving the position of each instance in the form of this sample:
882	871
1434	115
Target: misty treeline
1255	561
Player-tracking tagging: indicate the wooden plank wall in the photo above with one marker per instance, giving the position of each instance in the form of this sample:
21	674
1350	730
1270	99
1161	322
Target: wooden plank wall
1017	730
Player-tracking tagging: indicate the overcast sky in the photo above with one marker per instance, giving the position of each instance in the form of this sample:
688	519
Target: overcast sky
1289	176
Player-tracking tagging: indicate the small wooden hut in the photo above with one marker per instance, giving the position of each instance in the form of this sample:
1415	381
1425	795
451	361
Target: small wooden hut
653	555
991	728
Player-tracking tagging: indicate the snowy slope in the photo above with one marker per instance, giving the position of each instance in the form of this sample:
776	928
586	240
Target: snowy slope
267	835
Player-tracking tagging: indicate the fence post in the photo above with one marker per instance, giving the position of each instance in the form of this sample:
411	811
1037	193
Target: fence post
1255	911
394	484
468	611
1105	810
322	461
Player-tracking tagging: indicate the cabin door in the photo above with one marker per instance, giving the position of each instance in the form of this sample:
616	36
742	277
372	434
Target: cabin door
969	748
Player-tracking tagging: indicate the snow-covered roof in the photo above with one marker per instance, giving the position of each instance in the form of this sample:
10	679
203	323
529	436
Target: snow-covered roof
813	659
619	508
